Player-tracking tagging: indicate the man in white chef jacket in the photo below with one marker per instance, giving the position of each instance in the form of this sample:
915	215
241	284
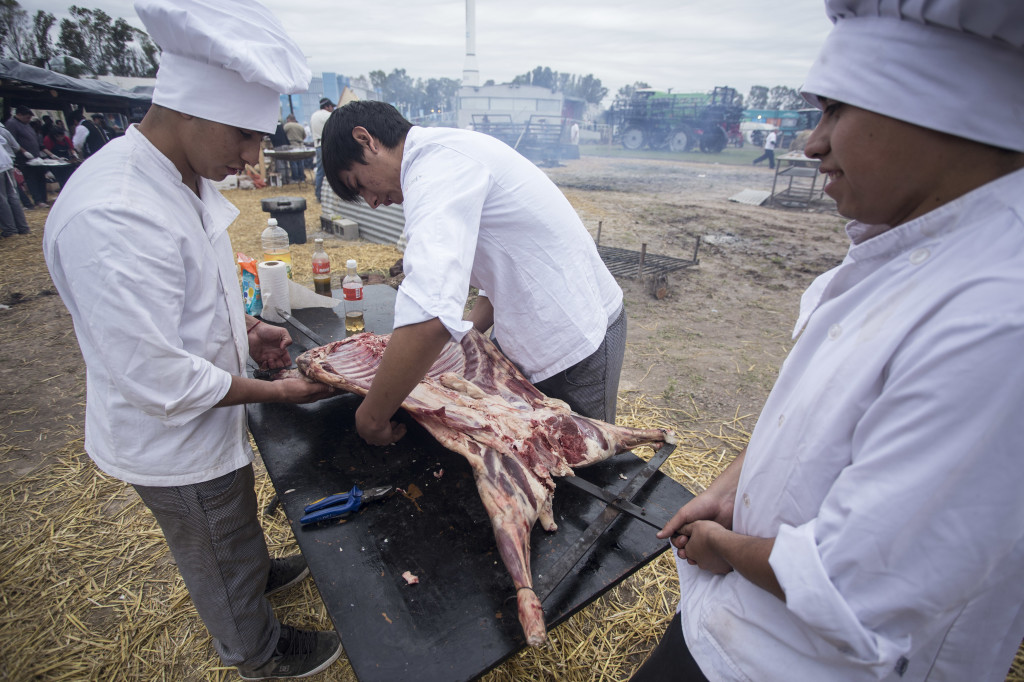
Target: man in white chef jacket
874	527
138	248
478	213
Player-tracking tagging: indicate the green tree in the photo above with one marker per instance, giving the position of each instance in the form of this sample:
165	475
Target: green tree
41	25
782	97
590	89
439	93
626	91
758	97
586	87
149	63
119	56
15	32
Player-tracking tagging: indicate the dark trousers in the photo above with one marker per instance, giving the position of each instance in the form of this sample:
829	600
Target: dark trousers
768	154
35	181
318	180
671	660
12	215
217	542
591	386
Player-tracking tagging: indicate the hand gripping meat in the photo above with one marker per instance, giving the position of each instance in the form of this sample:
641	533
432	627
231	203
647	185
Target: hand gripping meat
475	402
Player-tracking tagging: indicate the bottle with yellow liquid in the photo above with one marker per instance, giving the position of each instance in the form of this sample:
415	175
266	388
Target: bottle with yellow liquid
352	289
275	244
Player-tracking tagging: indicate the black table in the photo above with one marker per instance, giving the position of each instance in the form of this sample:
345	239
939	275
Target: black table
461	619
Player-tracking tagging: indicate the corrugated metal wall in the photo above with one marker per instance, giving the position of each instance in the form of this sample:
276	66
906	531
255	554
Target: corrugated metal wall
383	225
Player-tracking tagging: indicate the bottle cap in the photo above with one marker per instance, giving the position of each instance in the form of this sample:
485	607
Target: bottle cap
271	222
350	264
318	241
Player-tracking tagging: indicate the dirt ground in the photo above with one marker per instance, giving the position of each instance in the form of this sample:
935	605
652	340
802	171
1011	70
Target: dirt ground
714	344
709	350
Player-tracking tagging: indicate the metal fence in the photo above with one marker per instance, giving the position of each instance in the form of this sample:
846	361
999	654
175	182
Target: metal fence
382	225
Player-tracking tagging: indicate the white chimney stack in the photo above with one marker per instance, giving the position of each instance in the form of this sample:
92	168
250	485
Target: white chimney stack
470	72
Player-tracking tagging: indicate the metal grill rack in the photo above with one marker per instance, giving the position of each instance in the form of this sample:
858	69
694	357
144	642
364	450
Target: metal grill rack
640	264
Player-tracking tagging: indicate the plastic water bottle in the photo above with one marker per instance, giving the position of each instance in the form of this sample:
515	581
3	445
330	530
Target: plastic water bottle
352	288
275	244
321	268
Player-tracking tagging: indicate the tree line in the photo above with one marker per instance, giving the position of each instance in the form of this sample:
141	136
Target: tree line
90	42
418	97
587	87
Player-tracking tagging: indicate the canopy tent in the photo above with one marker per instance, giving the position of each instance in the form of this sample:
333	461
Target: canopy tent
43	89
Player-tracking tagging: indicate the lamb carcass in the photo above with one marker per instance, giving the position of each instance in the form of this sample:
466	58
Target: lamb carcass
475	402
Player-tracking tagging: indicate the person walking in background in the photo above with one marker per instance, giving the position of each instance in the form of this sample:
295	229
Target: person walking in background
12	214
316	126
296	134
874	526
769	150
166	382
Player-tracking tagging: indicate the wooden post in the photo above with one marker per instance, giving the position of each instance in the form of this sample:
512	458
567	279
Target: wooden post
643	257
598	240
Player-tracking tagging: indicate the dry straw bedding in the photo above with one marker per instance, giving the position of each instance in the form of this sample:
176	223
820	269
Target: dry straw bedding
88	590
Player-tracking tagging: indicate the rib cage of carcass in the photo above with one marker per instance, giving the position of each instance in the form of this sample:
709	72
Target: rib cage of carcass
475	402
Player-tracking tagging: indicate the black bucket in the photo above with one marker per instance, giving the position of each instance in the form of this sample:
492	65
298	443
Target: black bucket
290	214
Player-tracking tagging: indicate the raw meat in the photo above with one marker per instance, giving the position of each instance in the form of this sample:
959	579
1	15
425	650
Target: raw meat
475	402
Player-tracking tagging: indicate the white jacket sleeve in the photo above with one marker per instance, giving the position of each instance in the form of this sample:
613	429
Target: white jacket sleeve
443	203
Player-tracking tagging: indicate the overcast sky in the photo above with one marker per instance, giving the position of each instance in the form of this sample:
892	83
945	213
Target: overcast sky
686	45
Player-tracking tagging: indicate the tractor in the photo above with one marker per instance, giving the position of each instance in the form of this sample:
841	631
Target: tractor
678	121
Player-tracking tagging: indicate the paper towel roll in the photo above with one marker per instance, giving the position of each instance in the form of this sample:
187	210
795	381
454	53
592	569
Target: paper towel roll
274	290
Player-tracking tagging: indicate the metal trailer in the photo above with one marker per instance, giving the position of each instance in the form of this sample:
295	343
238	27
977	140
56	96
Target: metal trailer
541	138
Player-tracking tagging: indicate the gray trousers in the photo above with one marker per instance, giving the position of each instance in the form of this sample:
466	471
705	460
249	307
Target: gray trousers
12	215
216	539
591	386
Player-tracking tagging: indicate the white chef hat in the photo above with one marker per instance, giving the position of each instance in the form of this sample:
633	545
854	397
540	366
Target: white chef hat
956	66
223	60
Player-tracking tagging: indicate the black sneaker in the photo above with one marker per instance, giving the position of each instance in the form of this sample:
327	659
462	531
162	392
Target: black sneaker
285	572
299	653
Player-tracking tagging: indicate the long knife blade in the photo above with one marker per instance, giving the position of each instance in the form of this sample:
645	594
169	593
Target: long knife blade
650	517
546	584
306	331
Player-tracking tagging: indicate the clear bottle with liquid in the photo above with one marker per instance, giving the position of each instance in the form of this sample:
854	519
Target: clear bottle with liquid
321	268
275	244
352	288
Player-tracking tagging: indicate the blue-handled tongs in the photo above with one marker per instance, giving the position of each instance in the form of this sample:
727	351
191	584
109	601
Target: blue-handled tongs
334	506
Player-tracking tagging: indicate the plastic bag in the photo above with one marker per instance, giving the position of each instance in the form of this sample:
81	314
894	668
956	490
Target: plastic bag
250	285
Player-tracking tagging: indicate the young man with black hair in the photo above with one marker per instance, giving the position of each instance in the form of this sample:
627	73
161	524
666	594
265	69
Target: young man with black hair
477	213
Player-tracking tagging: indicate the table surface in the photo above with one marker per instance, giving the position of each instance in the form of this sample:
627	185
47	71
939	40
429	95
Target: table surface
461	619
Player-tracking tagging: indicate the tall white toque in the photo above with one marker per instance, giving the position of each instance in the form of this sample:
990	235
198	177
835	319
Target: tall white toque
223	60
956	66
